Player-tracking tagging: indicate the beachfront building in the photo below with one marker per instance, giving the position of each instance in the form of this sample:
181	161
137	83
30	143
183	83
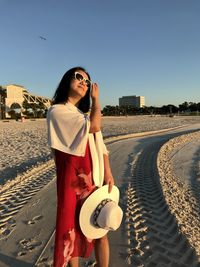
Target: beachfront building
12	97
133	100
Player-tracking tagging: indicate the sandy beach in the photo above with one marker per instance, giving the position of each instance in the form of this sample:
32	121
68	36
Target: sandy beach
24	145
158	174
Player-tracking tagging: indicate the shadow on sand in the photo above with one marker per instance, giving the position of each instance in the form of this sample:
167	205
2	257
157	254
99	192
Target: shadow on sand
7	261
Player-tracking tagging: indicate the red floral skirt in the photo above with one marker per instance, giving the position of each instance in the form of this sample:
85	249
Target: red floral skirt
74	184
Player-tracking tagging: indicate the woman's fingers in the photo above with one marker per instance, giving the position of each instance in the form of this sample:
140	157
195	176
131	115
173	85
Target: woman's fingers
95	90
110	185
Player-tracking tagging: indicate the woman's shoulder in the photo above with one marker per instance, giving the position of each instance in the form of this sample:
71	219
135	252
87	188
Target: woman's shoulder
66	111
60	108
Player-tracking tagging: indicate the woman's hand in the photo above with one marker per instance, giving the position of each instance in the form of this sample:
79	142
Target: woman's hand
109	180
95	91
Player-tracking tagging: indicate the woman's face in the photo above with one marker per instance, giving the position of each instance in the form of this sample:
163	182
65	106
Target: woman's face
78	87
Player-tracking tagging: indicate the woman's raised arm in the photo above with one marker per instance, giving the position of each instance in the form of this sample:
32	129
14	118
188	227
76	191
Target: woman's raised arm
95	114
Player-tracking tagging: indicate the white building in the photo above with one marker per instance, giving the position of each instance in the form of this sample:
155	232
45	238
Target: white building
15	95
134	101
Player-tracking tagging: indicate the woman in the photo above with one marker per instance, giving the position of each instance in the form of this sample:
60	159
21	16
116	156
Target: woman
82	164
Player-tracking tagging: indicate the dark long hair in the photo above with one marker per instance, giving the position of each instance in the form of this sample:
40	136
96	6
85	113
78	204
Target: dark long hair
62	92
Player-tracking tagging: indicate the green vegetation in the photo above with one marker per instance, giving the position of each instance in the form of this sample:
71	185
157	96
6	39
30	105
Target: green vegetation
186	108
34	110
2	101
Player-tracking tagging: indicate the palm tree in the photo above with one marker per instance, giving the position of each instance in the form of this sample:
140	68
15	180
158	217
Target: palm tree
2	102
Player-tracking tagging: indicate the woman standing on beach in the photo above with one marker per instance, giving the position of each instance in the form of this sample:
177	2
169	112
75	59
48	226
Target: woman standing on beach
69	130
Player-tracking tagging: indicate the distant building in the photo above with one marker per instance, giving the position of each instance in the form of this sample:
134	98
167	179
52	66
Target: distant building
133	100
12	96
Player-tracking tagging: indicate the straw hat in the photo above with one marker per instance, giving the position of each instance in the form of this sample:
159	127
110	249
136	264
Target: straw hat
100	213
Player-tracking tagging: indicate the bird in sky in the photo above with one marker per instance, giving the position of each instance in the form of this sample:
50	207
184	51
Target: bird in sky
42	38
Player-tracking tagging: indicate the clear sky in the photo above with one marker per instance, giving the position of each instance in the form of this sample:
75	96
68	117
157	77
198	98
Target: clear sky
130	47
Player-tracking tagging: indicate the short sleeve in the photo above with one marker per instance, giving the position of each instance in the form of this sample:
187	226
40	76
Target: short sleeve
68	129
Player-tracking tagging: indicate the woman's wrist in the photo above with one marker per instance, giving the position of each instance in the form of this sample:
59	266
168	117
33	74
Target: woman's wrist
107	171
95	102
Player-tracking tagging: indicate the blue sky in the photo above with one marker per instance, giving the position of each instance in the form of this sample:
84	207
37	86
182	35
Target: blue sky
130	47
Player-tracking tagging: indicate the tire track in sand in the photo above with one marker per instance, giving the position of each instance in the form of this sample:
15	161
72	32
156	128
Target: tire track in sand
153	234
17	195
152	231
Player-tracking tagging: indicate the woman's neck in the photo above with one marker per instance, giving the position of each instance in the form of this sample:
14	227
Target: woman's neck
73	101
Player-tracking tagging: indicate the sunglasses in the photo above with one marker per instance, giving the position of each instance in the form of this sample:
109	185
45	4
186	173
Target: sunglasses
80	78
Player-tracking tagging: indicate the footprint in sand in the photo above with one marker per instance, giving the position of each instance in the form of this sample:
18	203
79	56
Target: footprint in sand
35	203
30	222
35	219
21	253
9	227
28	245
6	232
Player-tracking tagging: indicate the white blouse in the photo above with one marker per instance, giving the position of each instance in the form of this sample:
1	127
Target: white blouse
68	131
